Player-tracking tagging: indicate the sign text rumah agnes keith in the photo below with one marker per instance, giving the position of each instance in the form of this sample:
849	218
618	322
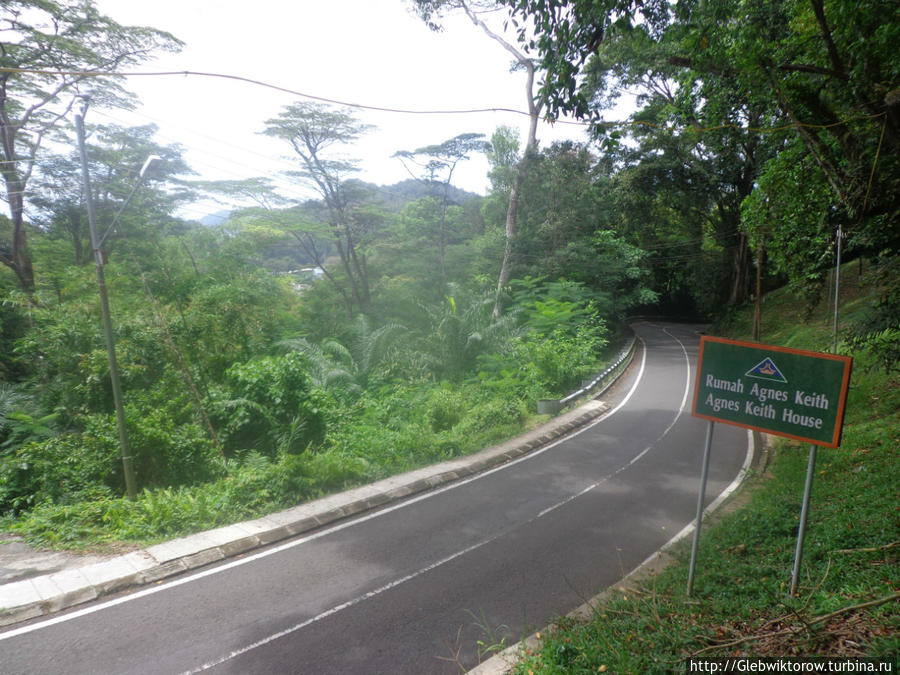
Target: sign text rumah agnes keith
781	391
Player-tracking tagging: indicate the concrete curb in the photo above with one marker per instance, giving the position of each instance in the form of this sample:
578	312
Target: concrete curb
502	662
38	596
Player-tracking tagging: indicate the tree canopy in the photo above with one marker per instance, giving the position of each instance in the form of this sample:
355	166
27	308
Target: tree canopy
828	75
50	54
303	345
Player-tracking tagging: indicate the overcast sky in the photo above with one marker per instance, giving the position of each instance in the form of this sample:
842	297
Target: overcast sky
372	52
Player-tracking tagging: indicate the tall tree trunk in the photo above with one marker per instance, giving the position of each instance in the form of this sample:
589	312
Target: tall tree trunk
345	261
309	247
740	280
512	211
836	178
757	310
442	240
17	258
511	218
21	257
358	278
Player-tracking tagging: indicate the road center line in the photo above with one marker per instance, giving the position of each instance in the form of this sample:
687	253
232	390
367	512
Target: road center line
397	582
351	523
643	452
338	608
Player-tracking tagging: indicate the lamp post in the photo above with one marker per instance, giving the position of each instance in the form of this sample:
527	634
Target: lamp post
837	287
96	245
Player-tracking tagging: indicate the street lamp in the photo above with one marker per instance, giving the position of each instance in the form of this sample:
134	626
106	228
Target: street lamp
97	244
137	184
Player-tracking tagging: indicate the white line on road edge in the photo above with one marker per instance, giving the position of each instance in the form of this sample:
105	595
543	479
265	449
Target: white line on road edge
321	533
725	494
500	663
397	582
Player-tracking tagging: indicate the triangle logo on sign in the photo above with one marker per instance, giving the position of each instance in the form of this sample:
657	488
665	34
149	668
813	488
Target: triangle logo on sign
766	370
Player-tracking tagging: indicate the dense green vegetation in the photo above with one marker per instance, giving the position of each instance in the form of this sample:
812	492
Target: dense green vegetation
741	604
302	347
243	395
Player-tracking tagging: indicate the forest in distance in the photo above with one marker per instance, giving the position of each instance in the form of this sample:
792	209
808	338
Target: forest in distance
301	347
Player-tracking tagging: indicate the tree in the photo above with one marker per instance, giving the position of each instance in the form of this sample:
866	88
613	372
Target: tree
51	53
831	70
354	363
259	191
698	139
430	11
116	156
312	129
438	163
462	327
569	231
503	155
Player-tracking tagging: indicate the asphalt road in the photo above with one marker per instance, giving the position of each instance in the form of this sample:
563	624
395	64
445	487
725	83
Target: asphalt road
413	587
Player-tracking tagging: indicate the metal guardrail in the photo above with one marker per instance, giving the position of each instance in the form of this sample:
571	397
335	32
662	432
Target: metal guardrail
553	406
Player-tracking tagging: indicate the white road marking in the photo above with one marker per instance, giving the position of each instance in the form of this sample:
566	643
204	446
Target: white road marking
338	608
397	582
643	452
350	603
47	623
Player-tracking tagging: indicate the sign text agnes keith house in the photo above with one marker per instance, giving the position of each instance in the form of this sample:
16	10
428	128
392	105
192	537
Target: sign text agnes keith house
781	391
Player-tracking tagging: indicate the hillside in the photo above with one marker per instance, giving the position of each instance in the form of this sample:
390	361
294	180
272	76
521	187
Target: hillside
847	603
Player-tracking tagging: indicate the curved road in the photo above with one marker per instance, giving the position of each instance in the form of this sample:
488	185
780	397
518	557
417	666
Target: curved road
411	588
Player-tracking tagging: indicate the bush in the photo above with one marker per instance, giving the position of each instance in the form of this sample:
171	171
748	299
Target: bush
270	405
255	485
562	360
63	469
493	414
879	331
542	366
445	409
165	452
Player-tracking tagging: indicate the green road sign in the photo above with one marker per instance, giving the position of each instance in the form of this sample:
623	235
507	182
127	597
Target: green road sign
787	392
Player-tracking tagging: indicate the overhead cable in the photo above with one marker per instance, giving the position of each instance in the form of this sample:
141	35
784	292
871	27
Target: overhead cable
407	111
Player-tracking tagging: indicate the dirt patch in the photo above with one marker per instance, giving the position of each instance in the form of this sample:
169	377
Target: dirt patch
20	561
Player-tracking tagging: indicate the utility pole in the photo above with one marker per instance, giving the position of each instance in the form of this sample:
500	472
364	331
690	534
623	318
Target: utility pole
837	286
96	244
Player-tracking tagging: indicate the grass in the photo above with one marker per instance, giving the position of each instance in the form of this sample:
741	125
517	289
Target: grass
847	602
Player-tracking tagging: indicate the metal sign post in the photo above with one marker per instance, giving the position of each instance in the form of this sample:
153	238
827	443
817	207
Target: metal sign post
776	390
704	473
804	511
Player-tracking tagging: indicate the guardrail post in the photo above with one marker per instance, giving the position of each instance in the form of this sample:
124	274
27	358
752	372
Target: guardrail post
548	406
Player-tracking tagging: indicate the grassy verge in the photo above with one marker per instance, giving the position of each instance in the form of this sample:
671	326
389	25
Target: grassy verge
847	602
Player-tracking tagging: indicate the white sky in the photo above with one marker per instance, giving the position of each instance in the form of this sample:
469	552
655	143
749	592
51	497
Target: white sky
373	52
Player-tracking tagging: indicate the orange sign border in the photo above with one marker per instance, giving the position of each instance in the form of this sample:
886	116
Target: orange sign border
845	386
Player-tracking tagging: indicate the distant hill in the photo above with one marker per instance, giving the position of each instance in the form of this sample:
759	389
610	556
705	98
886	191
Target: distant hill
398	195
214	219
391	197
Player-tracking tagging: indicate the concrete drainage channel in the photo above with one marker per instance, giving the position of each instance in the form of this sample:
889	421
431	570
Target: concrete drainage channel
43	594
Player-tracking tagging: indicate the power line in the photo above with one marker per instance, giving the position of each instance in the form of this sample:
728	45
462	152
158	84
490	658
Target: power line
285	186
275	87
408	111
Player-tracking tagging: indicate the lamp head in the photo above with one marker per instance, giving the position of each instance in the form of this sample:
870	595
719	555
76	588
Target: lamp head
147	164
